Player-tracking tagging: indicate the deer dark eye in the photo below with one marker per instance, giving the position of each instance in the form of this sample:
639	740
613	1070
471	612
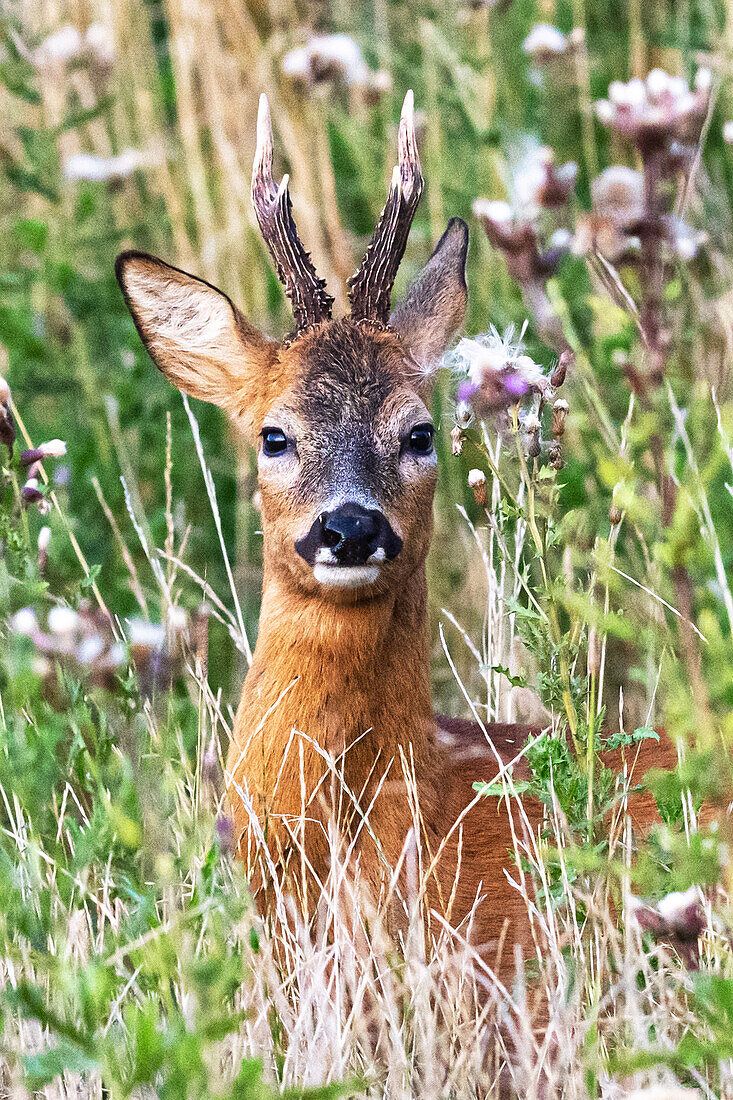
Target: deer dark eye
274	442
420	440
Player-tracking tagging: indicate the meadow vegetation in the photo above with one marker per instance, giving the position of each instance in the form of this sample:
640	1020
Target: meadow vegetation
579	577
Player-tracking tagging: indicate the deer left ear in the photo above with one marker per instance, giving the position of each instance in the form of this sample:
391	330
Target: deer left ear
435	304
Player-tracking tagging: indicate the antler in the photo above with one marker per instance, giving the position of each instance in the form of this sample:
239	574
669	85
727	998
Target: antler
370	289
307	292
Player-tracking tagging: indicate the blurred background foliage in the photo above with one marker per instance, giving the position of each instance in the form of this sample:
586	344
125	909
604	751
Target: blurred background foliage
131	123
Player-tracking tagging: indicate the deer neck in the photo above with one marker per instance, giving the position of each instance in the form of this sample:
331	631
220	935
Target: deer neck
353	678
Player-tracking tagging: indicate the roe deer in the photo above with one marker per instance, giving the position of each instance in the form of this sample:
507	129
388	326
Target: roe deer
339	413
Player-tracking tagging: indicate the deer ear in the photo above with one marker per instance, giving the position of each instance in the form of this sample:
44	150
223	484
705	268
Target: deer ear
435	304
194	334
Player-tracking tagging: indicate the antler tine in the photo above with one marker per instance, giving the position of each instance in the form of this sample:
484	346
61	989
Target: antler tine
370	289
307	292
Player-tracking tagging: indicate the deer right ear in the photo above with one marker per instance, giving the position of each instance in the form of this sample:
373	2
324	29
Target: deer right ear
435	304
195	335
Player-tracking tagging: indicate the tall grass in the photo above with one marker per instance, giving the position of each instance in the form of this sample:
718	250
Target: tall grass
576	596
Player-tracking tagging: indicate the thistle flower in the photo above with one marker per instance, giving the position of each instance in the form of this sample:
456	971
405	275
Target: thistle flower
728	132
658	110
545	43
100	44
618	195
334	57
540	184
498	373
54	448
7	424
67	45
59	48
63	621
682	913
31	492
24	622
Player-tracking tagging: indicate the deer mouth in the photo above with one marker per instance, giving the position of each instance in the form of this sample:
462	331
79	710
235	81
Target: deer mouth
345	576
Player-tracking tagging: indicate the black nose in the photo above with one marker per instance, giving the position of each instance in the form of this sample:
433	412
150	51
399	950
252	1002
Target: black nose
352	534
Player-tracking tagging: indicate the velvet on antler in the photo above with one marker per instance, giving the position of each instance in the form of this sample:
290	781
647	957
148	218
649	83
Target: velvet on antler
370	289
310	301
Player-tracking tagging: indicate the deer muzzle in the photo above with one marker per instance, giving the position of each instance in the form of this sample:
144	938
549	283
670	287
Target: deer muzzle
348	546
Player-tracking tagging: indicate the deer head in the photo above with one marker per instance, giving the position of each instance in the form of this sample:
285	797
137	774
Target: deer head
338	411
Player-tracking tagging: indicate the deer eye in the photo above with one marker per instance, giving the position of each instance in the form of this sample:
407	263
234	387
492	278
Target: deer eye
274	442
420	439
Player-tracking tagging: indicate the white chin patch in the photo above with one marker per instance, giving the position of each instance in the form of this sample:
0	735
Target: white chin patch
345	576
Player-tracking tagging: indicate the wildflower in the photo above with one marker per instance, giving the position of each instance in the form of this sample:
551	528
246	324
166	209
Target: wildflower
225	834
658	110
89	649
614	515
63	621
7	424
145	635
515	236
540	184
100	44
456	441
31	491
559	416
544	43
477	484
728	132
498	373
618	195
24	622
684	241
334	57
97	169
54	448
62	46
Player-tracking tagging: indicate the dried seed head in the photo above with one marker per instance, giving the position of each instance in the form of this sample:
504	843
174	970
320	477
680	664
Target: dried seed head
554	456
544	43
614	514
728	132
477	483
456	440
566	360
44	538
559	416
594	663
